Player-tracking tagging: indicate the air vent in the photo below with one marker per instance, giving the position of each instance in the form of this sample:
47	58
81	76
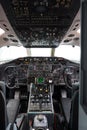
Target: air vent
67	40
71	35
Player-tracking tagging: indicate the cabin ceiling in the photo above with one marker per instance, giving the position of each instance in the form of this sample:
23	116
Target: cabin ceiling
8	38
72	37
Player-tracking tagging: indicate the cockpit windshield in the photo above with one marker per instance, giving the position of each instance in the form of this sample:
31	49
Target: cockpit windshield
66	51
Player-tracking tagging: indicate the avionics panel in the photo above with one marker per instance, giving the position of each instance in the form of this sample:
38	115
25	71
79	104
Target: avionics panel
41	23
40	70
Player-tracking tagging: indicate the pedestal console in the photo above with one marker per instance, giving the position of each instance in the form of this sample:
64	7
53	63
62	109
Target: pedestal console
40	107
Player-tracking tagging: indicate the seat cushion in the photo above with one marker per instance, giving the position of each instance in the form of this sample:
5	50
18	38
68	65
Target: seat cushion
12	109
66	104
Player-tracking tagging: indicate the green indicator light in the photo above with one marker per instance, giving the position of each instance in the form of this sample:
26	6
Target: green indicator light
40	80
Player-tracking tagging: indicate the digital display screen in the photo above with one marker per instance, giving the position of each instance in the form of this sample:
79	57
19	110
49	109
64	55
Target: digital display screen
40	80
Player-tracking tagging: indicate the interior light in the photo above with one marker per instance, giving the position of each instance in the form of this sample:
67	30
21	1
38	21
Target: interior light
50	81
78	31
1	31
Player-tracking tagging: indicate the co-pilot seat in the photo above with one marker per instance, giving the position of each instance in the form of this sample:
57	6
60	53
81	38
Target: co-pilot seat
70	109
8	112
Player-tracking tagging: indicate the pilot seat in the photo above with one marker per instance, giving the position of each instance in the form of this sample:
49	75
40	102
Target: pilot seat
8	112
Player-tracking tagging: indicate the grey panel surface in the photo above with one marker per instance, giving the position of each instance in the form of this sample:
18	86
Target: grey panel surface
66	103
12	109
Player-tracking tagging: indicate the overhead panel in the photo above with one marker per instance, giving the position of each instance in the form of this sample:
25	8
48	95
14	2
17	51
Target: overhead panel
41	23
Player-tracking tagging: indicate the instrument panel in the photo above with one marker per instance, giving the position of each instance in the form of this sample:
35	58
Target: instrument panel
40	70
40	67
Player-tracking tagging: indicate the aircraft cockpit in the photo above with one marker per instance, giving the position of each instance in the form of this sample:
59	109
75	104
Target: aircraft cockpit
39	81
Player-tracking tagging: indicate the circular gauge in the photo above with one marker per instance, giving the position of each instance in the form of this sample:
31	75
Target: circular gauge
31	67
